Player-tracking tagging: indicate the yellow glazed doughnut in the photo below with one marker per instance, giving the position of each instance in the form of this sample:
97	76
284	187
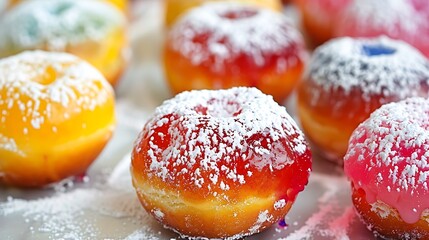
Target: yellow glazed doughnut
91	30
175	8
56	115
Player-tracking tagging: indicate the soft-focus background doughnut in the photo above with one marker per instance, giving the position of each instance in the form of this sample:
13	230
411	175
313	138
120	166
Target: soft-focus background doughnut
93	30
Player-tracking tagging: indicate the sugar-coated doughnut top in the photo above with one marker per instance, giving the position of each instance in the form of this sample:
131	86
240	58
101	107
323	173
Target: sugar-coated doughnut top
392	16
218	138
224	31
388	157
56	24
30	78
377	66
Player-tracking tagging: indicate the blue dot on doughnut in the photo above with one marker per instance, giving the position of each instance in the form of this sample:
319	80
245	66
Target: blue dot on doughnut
371	50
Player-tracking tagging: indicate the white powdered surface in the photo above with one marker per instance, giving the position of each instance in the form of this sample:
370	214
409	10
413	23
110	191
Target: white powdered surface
67	215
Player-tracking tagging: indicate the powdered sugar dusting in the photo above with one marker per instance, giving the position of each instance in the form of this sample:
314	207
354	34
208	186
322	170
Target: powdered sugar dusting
279	204
342	64
392	148
9	144
210	127
36	84
333	218
263	217
61	215
80	213
388	15
141	234
258	33
55	25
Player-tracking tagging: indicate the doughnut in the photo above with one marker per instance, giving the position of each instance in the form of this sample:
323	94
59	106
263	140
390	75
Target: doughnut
175	8
220	45
56	115
347	79
120	4
91	30
406	20
320	17
220	163
387	165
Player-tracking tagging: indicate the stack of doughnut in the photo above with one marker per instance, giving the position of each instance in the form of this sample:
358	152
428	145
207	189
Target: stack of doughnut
92	30
223	45
220	163
56	115
175	8
387	164
347	79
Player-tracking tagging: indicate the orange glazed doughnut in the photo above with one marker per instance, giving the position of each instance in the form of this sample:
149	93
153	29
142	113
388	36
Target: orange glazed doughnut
223	45
175	8
387	163
347	79
56	115
92	30
220	164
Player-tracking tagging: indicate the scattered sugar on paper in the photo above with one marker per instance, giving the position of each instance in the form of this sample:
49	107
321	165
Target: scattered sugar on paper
140	234
332	219
69	215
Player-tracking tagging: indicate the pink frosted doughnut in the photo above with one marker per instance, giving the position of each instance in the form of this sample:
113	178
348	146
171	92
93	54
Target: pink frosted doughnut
387	164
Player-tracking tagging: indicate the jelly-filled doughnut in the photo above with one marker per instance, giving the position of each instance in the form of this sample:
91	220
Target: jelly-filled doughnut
347	79
320	17
56	115
387	165
225	45
407	20
220	163
175	8
92	30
